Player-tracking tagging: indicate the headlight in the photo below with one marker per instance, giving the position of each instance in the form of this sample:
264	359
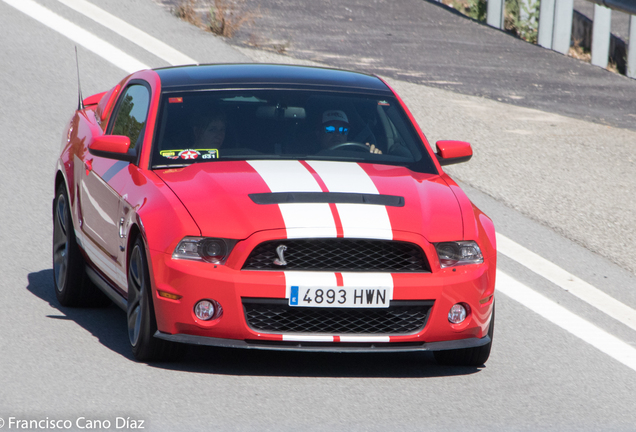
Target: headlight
458	253
214	250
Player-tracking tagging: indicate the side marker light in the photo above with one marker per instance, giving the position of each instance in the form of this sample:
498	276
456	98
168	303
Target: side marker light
168	295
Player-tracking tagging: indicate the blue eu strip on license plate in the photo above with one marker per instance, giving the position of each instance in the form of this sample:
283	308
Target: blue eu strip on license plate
293	297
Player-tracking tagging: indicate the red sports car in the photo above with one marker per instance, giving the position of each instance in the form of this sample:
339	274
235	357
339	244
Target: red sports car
271	207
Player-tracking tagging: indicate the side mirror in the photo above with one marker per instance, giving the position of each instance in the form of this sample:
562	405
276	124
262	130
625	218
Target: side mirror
452	152
112	147
94	100
106	103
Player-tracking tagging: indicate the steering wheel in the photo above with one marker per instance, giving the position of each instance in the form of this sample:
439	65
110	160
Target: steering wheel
355	145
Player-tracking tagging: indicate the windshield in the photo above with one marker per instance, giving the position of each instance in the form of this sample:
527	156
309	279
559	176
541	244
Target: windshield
211	126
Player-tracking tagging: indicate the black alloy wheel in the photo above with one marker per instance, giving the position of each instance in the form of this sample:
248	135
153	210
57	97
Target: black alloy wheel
72	286
142	323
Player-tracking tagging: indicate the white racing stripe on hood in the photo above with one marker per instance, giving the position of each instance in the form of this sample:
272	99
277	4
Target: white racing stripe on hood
358	220
301	220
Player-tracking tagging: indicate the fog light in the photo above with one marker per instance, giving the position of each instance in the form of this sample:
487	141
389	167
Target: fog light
206	310
457	314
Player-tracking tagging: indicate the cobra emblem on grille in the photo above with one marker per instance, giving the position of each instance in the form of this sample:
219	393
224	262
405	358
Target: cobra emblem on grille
280	251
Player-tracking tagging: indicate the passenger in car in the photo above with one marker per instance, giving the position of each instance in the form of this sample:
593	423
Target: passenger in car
334	130
209	130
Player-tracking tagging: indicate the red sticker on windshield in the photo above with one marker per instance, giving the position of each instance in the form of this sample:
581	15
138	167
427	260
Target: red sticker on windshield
175	100
189	154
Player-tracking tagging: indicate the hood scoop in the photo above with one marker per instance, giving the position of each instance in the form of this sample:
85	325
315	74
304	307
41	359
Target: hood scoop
327	198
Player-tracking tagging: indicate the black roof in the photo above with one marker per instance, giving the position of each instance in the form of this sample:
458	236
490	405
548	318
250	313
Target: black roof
270	75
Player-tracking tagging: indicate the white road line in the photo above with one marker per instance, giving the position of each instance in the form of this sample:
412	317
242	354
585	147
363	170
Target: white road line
567	281
133	34
78	35
584	330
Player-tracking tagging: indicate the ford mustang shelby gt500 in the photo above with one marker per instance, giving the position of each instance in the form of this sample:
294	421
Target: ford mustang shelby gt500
273	207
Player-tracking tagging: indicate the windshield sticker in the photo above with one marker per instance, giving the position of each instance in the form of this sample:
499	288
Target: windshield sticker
190	154
211	154
175	100
383	103
170	154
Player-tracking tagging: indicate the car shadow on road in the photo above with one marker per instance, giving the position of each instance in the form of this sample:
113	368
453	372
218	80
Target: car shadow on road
240	362
108	325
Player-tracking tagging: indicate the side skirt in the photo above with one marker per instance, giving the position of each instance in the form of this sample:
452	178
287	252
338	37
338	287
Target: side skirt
106	288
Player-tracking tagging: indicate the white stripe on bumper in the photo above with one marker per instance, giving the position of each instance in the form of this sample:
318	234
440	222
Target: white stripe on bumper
365	339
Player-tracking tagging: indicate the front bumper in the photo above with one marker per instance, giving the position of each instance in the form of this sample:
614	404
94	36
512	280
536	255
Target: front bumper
472	285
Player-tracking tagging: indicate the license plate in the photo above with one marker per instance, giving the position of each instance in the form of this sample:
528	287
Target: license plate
342	297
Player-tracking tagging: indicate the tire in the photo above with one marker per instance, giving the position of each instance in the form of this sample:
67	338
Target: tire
142	323
72	286
468	356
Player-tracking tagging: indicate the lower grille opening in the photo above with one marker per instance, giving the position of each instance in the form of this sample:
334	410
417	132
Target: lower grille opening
276	316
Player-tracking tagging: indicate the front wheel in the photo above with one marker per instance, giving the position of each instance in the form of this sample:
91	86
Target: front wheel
142	323
468	356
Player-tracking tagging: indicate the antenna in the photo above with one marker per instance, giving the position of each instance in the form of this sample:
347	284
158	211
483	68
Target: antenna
80	102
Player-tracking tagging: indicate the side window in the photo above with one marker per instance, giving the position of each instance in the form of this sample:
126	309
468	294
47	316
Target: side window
131	115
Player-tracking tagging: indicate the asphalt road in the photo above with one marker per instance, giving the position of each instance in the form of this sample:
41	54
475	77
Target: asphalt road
74	364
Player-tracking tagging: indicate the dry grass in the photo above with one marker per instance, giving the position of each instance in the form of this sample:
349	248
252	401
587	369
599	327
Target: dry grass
580	53
186	10
223	17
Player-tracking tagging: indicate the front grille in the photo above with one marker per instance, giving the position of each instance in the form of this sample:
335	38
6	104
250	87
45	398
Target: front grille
276	316
340	255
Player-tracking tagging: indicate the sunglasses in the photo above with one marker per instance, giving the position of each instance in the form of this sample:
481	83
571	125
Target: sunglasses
341	130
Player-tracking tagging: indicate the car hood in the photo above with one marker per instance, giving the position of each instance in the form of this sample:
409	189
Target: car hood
238	198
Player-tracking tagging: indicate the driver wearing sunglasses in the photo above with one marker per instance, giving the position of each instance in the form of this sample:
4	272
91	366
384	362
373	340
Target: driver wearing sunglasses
334	130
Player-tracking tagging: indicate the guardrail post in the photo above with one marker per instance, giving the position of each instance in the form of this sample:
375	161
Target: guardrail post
601	35
631	48
495	13
546	23
562	33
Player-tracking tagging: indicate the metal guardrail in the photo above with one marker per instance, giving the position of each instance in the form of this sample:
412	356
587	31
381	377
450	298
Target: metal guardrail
555	27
